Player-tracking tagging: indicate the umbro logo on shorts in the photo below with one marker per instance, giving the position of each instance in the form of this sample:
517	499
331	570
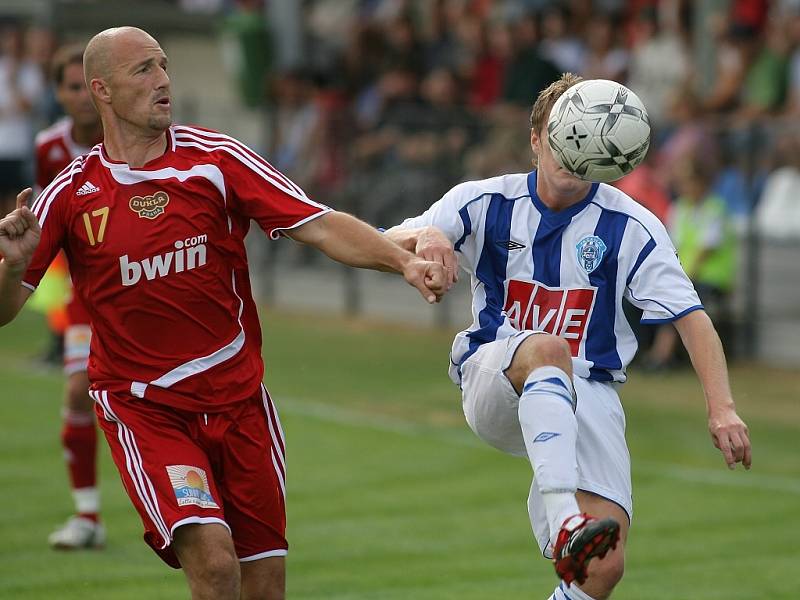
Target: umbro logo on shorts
545	436
87	188
510	245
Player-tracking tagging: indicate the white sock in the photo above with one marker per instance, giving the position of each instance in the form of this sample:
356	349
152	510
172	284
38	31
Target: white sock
571	592
87	500
550	430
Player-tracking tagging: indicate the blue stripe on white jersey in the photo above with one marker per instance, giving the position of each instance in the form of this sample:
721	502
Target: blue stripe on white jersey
491	272
564	272
601	340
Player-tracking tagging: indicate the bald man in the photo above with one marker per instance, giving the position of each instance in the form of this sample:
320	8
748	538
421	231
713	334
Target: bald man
153	221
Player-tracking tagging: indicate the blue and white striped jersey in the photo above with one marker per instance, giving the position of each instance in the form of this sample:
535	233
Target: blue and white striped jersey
562	272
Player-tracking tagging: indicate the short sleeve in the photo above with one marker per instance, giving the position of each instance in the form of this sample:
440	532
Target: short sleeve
258	191
50	209
659	286
450	214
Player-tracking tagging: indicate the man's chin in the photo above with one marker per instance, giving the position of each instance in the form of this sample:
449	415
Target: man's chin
161	122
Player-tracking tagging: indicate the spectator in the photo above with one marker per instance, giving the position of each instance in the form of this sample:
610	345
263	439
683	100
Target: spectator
297	143
701	230
659	65
792	21
559	45
529	71
605	58
488	73
778	212
21	86
644	186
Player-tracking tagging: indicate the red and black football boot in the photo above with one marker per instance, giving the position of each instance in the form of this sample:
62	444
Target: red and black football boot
581	539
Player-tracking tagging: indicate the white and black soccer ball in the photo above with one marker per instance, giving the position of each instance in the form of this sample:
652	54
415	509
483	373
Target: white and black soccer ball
599	130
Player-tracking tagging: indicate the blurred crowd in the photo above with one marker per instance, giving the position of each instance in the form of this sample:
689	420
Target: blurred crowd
395	101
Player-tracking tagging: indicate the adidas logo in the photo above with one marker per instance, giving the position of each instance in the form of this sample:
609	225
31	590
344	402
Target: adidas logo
87	188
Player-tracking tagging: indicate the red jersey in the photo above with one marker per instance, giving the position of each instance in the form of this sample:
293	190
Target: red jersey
55	149
158	257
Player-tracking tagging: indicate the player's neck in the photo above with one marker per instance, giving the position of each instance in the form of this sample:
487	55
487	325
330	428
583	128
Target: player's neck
560	197
84	135
136	148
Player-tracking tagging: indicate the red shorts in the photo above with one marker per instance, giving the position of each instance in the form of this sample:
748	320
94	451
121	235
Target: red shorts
180	467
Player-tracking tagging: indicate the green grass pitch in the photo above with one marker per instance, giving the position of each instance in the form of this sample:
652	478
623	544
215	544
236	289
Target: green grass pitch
390	497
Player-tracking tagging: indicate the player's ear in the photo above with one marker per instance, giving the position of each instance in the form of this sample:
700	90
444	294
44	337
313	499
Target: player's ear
100	90
534	141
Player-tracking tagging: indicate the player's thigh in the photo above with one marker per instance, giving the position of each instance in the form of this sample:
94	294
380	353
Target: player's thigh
166	474
601	508
253	466
77	397
490	403
77	340
264	579
205	547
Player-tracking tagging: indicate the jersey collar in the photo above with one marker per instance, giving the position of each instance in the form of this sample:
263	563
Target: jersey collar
114	164
562	215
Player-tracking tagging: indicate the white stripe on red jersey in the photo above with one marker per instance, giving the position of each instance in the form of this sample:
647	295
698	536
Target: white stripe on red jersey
157	254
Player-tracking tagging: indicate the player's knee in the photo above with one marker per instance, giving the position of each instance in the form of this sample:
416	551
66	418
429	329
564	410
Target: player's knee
220	570
605	574
78	398
218	574
548	350
209	560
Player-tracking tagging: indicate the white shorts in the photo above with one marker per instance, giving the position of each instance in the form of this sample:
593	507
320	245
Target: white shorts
491	408
77	339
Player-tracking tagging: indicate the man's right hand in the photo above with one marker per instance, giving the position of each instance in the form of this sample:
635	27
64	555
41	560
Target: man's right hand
19	234
429	277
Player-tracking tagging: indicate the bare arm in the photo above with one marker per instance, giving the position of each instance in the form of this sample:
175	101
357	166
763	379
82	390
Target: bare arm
350	241
728	431
19	236
12	293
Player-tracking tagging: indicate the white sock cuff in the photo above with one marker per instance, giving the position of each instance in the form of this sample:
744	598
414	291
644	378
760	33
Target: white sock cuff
87	500
573	592
550	372
553	380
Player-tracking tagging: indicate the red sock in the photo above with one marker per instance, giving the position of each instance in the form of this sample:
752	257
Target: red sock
79	439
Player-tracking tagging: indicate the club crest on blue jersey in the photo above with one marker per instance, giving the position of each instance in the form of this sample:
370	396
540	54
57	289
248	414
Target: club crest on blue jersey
590	252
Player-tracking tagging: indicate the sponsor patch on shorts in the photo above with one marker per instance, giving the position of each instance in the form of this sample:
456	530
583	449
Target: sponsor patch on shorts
191	486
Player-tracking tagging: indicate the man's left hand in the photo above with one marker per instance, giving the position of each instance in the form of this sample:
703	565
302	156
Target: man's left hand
731	436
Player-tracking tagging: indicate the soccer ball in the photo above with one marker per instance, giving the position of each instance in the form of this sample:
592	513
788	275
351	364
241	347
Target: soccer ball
599	130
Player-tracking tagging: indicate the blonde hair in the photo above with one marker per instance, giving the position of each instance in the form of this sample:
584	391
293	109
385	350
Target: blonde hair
547	98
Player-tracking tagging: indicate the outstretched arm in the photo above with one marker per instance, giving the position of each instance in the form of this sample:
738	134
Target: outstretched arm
350	241
728	431
19	237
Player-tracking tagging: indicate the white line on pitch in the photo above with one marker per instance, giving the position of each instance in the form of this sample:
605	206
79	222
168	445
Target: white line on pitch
462	437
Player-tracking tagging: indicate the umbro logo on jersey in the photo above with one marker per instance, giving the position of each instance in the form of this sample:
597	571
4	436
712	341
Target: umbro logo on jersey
87	188
149	207
510	245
